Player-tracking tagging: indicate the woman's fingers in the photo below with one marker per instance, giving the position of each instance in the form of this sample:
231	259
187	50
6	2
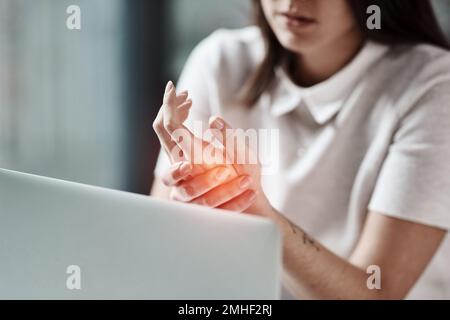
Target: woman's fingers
175	111
172	114
158	125
193	188
221	129
241	202
182	96
176	173
224	193
172	118
173	99
240	150
169	94
164	137
179	142
181	171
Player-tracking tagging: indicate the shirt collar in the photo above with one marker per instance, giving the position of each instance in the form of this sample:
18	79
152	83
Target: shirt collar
323	100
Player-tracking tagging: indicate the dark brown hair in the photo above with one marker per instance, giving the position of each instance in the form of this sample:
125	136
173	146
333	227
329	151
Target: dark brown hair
403	21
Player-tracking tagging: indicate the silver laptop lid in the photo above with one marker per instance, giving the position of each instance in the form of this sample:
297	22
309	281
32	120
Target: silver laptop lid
62	240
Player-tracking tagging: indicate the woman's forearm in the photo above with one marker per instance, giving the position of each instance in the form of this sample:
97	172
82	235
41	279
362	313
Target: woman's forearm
314	272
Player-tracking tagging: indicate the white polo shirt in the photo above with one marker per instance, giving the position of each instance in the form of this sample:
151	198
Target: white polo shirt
374	137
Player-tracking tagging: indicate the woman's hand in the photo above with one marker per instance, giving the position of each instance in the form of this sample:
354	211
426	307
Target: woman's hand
227	185
176	139
219	187
173	112
216	188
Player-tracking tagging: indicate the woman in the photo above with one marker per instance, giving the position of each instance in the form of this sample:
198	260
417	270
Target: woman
364	178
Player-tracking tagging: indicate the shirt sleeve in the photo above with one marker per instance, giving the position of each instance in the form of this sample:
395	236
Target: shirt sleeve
196	77
414	182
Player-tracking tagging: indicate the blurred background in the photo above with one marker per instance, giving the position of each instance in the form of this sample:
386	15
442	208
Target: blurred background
79	105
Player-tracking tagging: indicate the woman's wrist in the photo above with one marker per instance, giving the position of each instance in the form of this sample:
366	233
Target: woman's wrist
263	208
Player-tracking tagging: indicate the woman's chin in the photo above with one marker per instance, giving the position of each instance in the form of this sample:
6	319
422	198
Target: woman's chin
297	44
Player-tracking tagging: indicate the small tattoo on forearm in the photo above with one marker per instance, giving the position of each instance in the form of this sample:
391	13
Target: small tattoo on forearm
293	227
307	240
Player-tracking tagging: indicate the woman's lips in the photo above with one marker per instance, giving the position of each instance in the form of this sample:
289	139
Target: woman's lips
296	22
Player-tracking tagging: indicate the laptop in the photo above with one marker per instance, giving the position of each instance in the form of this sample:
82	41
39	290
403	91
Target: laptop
63	240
